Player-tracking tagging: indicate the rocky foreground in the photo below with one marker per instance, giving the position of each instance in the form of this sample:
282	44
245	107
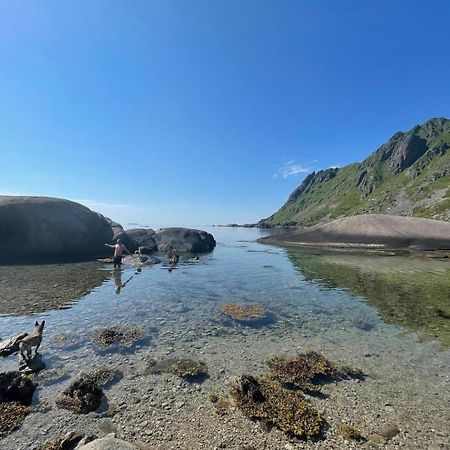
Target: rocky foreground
371	230
37	229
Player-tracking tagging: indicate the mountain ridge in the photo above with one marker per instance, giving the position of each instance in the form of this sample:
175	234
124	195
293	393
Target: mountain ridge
409	175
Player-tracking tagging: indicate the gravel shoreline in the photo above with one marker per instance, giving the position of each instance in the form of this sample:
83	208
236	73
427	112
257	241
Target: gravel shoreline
404	387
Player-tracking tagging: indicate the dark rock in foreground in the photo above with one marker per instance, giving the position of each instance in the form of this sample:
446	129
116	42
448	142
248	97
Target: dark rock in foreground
15	387
82	396
16	393
184	240
40	228
371	230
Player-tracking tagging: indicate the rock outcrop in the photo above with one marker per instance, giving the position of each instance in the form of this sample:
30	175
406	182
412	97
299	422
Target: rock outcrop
40	228
371	230
184	240
37	229
142	239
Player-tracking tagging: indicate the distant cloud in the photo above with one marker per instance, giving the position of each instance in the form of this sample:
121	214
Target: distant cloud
290	168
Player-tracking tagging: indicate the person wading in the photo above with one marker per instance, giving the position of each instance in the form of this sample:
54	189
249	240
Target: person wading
119	248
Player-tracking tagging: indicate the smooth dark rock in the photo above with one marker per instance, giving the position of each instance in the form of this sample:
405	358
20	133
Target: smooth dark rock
141	238
15	387
184	240
42	228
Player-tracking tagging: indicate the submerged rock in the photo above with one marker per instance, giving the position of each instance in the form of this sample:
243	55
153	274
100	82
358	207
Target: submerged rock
117	335
263	399
308	371
82	396
241	312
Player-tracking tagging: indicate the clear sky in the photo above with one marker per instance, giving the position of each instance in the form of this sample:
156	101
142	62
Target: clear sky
191	112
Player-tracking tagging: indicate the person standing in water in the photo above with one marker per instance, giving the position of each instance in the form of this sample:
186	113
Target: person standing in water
119	248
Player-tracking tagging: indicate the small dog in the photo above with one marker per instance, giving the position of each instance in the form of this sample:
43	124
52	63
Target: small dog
34	339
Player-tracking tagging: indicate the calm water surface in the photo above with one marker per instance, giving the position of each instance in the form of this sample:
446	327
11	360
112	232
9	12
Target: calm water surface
367	295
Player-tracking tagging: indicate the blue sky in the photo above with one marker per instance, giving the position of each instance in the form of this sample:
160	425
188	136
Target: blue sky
191	112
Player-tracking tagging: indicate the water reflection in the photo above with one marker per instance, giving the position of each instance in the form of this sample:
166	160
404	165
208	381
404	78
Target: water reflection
406	290
27	290
118	283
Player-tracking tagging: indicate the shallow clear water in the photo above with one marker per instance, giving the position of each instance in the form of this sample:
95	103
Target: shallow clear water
316	292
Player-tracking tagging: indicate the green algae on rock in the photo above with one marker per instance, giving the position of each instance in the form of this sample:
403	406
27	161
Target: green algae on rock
308	370
263	399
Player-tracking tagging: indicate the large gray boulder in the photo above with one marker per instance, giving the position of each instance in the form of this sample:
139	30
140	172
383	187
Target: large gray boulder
141	238
39	228
184	240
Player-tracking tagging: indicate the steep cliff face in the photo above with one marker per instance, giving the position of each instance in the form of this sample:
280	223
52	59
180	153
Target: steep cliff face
409	175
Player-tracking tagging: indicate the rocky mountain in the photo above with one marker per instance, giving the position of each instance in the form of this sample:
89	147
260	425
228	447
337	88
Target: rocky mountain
408	176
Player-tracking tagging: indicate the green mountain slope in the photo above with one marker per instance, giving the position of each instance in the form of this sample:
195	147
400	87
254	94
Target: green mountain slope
409	175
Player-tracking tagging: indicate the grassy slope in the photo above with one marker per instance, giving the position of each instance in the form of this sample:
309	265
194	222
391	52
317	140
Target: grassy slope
341	196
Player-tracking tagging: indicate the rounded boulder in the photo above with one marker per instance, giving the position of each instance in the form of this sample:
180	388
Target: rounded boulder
184	240
42	228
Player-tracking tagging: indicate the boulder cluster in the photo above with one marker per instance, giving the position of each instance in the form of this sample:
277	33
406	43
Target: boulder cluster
37	229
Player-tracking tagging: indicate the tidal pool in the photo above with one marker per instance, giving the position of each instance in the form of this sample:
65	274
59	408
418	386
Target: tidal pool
388	315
